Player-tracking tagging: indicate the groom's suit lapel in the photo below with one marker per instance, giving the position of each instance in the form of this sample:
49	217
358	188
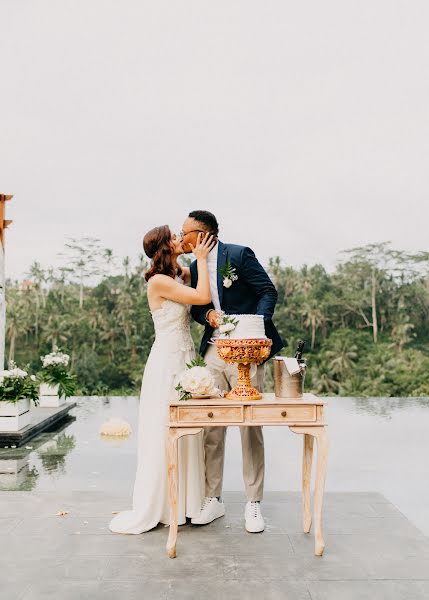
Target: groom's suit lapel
222	257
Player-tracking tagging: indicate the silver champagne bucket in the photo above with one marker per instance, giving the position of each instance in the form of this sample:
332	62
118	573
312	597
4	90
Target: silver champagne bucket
286	385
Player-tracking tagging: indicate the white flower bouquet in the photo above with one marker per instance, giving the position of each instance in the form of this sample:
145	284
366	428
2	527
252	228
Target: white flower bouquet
55	372
16	384
196	380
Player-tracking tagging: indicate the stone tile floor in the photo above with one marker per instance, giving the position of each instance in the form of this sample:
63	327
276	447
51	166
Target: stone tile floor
372	552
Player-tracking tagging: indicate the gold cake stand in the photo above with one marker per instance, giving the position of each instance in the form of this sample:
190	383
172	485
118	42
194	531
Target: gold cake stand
244	353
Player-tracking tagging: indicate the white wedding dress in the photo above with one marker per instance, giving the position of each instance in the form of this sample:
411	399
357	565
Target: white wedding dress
172	348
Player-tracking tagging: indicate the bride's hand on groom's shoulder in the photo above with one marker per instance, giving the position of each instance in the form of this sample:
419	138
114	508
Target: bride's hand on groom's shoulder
204	246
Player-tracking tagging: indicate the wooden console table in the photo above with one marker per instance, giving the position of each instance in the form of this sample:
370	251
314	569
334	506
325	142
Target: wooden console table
304	416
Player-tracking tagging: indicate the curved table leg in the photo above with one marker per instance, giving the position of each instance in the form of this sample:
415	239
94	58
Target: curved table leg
173	435
322	456
307	460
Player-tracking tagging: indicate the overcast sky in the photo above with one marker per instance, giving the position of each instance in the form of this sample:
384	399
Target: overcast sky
303	125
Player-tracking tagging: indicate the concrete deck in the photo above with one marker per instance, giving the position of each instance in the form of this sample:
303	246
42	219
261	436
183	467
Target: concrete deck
372	552
43	418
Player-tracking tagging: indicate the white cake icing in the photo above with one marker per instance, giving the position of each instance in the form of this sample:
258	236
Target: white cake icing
248	327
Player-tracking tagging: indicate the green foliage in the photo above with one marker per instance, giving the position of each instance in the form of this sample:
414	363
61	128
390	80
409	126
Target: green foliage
228	271
198	361
55	372
366	322
56	375
183	394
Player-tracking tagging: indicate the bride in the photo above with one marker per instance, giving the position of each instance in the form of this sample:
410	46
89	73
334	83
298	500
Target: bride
169	302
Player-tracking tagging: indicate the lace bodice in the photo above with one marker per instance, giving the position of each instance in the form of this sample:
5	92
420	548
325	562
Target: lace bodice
171	321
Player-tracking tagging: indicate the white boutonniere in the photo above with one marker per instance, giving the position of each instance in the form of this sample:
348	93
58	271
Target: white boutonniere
228	273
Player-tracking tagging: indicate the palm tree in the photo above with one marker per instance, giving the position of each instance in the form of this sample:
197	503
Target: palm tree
126	264
402	332
56	330
110	335
125	313
313	318
142	266
16	325
94	318
38	276
341	356
322	381
109	258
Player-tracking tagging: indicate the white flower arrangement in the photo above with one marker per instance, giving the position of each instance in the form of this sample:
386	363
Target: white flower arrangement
16	383
14	373
55	372
54	359
196	379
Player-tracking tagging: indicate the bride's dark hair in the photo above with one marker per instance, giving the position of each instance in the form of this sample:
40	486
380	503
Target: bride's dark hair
157	244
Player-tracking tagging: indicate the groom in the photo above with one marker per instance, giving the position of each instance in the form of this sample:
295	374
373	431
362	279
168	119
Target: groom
251	293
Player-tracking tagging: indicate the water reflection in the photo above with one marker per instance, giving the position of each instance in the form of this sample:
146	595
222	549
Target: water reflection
377	444
385	407
54	452
18	470
16	473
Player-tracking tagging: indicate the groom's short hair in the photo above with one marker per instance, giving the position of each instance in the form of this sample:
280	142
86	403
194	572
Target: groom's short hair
206	218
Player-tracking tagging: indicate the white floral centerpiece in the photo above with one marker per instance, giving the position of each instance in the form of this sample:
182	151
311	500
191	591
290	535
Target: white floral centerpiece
17	390
56	383
196	381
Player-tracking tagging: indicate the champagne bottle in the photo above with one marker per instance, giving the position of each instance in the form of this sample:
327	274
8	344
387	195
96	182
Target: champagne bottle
299	350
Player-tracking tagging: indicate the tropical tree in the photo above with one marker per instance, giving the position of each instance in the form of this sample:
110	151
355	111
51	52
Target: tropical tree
367	321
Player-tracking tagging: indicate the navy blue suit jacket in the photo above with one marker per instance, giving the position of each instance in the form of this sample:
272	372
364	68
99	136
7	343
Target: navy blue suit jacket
253	293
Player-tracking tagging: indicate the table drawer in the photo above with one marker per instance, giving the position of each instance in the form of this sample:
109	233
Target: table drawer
279	413
217	414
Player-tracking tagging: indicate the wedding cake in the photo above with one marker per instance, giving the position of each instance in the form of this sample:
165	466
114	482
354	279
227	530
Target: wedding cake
247	327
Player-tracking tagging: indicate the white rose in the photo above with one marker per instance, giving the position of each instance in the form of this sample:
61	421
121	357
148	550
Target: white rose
227	282
33	377
197	380
226	327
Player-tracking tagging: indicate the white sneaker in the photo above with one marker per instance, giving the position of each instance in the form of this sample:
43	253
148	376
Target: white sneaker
254	520
211	509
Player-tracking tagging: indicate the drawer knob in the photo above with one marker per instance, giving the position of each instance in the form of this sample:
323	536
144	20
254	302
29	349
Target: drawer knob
284	413
210	415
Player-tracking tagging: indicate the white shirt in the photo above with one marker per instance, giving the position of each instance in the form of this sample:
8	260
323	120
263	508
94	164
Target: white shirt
212	267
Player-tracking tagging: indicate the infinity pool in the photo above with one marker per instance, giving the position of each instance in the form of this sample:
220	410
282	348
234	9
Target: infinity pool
377	444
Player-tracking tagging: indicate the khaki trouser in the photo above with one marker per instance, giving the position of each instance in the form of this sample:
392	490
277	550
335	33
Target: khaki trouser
252	441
